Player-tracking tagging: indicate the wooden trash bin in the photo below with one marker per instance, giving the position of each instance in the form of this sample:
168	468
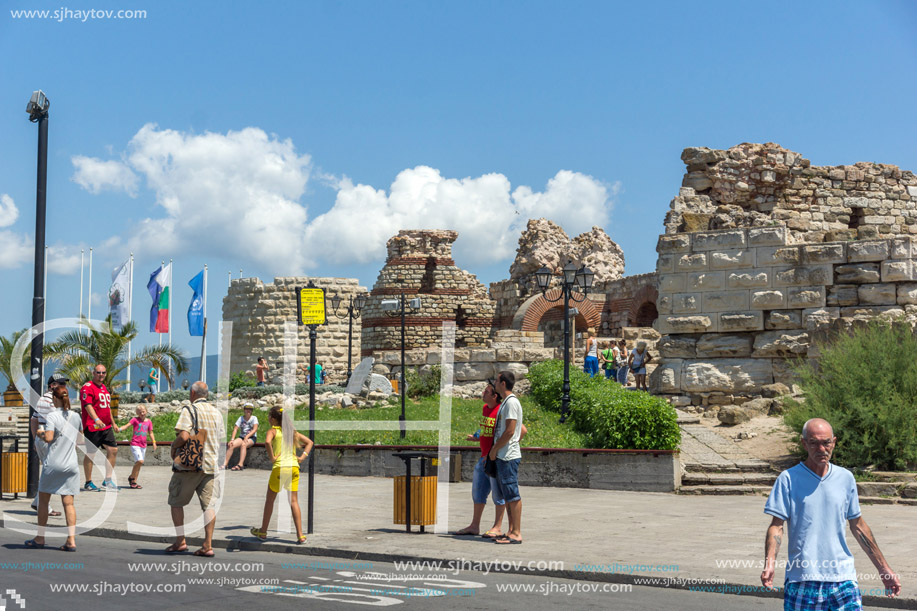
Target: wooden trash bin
13	470
423	500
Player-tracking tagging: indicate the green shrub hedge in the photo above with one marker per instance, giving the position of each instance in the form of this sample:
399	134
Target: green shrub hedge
256	392
610	416
865	385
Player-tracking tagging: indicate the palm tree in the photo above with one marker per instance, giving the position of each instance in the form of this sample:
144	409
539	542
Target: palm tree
79	352
6	358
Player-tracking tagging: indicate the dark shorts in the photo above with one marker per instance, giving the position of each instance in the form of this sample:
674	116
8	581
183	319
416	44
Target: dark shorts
260	384
508	479
101	438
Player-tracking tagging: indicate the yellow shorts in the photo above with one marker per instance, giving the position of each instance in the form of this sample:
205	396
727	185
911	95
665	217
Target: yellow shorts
287	476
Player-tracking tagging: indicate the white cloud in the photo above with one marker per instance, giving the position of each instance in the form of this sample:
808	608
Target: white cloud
487	215
63	259
238	195
15	250
8	210
96	175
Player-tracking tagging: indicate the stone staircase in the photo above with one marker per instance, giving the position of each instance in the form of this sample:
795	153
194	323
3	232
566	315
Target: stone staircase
715	465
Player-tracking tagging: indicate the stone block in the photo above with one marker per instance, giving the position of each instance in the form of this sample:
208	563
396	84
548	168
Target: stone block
731	415
878	294
536	355
685	303
842	295
841	235
504	354
740	321
813	275
867	251
898	271
867	312
823	253
719	240
857	273
743	280
665	264
813	318
732	259
907	294
691	262
777	255
671	283
768	299
783	319
483	355
473	372
767	236
723	301
723	345
726	375
684	324
904	248
705	281
806	297
673	243
664	303
781	343
677	347
666	378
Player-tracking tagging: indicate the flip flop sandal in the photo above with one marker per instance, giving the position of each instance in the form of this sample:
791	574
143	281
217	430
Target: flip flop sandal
133	483
32	544
508	541
465	533
176	550
205	554
302	540
490	535
258	533
54	514
67	548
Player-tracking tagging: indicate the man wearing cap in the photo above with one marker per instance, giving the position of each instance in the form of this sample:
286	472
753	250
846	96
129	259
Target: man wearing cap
46	404
95	401
247	429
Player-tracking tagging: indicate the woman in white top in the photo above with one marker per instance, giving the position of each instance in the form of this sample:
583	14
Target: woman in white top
637	361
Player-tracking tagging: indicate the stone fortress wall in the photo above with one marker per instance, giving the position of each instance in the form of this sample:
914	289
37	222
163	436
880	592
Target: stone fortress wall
795	250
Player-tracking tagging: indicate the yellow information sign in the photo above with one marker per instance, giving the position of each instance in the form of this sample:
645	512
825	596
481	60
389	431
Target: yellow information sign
311	306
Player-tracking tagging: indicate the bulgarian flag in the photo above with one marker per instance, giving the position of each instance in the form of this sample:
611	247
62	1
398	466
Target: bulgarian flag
159	286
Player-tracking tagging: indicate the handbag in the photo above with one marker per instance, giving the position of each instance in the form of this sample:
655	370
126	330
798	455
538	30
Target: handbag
190	457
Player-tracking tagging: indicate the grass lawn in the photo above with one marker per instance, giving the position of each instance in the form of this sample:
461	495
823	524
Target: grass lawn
544	430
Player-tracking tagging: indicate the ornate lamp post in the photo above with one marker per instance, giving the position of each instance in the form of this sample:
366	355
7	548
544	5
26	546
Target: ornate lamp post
353	311
572	277
394	307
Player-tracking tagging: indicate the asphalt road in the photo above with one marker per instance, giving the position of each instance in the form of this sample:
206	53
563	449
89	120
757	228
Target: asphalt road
107	572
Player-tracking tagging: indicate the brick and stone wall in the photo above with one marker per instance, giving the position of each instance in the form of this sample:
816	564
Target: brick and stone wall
756	185
258	312
734	304
420	264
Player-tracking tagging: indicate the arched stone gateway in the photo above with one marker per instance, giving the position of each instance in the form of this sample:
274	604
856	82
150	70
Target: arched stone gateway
643	307
531	312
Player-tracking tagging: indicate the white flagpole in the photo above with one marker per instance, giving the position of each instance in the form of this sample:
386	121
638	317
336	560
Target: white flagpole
229	284
82	250
130	308
204	338
44	312
171	286
89	305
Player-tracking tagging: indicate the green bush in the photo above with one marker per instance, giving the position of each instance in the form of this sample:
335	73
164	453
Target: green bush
865	385
422	384
241	379
256	392
161	397
607	414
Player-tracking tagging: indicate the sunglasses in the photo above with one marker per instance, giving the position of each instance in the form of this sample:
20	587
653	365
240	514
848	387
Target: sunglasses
100	373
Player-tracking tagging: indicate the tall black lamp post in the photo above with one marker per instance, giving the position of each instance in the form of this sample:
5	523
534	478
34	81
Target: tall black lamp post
353	311
394	307
572	277
38	113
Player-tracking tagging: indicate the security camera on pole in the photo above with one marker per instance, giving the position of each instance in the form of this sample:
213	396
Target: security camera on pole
311	305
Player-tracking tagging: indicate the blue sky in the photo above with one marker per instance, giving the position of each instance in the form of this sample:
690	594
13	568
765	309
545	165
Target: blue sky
296	137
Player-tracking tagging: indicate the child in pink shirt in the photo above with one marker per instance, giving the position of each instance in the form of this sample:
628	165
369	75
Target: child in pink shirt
143	428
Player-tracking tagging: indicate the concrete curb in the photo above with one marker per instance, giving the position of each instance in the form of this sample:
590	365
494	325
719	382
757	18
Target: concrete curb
734	589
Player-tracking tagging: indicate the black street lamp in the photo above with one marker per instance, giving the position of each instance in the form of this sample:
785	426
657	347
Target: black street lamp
38	113
572	277
394	307
353	311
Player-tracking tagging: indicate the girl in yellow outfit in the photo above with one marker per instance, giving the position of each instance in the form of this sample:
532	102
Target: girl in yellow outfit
285	472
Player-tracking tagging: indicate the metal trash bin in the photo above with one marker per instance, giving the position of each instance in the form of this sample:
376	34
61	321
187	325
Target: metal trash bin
415	504
14	468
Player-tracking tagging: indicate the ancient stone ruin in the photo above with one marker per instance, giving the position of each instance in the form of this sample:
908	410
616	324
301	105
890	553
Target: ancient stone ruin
761	250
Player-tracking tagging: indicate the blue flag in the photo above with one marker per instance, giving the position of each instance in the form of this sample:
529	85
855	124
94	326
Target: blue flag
196	309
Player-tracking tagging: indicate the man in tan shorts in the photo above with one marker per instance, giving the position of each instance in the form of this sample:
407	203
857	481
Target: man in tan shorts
185	484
